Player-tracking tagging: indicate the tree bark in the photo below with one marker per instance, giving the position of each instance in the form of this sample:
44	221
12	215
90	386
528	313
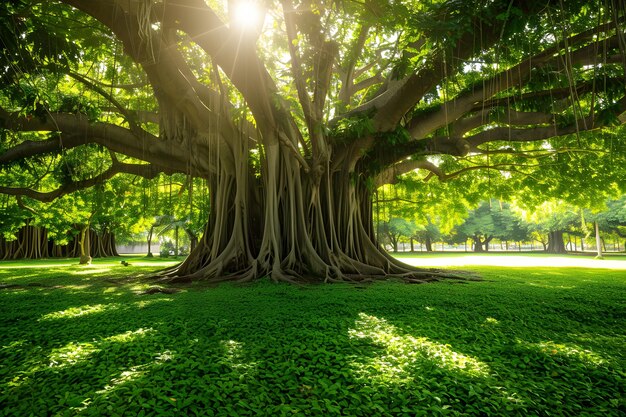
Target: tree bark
598	241
429	244
303	228
478	244
85	247
150	255
556	243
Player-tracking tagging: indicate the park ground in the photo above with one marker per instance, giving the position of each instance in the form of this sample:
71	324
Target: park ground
543	336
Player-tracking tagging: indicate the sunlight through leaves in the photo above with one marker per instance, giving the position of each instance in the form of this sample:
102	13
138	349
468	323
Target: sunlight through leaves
403	355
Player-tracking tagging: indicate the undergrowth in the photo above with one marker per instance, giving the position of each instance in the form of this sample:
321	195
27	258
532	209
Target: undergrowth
522	342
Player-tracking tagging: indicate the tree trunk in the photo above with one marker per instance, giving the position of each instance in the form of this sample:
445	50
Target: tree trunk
598	242
176	241
429	244
487	241
555	242
292	226
478	244
85	247
193	239
150	255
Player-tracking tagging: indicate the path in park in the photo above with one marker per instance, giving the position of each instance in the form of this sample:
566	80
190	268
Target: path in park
518	261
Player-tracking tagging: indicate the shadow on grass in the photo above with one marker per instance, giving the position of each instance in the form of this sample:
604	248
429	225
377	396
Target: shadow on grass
507	346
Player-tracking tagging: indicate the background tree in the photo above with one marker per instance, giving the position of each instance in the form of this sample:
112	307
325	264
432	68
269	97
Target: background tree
613	219
393	230
428	234
549	221
480	226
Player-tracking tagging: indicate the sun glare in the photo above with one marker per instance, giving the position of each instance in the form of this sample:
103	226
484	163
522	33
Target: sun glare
247	15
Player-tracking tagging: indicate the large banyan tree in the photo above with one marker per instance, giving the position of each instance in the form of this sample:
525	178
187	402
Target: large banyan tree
295	110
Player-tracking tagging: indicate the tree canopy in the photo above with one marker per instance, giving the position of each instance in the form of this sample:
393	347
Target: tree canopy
295	113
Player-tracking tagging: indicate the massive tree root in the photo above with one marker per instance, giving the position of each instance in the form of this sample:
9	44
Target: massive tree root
300	230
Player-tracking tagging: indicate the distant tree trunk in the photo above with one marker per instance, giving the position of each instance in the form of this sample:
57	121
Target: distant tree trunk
555	242
31	242
487	241
193	239
429	244
85	247
598	242
478	244
176	241
394	242
107	244
582	244
412	247
150	255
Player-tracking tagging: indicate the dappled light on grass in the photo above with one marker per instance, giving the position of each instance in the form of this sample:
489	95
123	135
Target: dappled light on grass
549	286
79	311
71	354
233	356
502	346
566	351
130	335
90	271
403	355
126	383
32	265
147	303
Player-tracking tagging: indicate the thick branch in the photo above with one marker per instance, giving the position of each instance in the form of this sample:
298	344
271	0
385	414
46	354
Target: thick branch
146	171
76	130
391	174
452	110
511	117
541	133
349	68
296	65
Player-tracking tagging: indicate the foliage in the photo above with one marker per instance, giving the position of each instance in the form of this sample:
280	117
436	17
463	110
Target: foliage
525	341
391	231
613	219
551	216
491	219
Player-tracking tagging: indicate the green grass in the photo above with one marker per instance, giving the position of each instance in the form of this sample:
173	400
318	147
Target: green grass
618	256
522	342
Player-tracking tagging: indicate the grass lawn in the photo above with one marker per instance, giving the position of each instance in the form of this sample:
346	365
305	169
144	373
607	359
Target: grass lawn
532	341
